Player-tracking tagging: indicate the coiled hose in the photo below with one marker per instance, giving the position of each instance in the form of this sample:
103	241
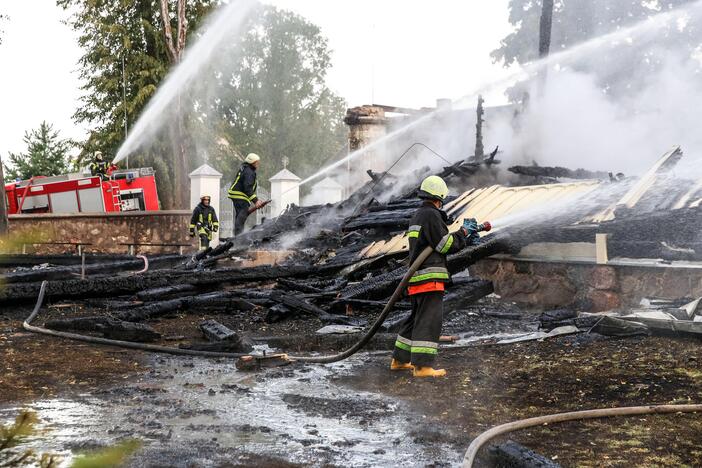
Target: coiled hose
27	325
479	441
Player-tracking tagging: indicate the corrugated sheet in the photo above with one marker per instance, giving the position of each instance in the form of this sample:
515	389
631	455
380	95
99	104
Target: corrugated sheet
489	203
648	180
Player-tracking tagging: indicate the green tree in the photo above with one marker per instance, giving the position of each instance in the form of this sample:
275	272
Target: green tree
275	100
578	20
114	33
265	91
47	154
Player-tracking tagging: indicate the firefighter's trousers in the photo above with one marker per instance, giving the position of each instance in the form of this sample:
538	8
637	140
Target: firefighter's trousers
241	213
204	241
418	340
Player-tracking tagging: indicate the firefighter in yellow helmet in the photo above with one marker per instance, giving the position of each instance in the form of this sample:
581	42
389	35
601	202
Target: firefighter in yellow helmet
243	191
418	340
98	166
204	222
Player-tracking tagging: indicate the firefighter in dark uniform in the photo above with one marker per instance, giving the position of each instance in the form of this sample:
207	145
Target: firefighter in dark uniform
243	191
98	166
418	340
204	222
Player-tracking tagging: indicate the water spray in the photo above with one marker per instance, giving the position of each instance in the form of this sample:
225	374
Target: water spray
528	70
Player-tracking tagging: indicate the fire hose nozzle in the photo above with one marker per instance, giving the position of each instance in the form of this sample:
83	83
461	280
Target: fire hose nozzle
486	226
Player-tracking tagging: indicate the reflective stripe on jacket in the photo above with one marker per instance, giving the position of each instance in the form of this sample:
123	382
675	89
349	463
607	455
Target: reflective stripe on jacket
204	220
244	185
428	228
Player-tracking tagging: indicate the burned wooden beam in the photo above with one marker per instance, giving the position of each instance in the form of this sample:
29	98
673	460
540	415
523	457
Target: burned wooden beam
558	172
297	286
61	273
340	305
223	338
278	313
296	303
397	219
109	327
152	311
466	291
165	292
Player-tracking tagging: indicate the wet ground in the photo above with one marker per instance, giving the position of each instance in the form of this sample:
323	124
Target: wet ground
198	412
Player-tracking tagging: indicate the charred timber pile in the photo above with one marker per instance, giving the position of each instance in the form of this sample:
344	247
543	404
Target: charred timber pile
110	286
470	166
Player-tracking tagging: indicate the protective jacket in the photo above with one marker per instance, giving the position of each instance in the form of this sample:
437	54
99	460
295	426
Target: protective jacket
245	184
428	228
99	168
204	221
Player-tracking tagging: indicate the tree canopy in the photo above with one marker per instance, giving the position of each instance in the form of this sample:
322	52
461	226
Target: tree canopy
576	21
46	155
275	101
272	99
125	59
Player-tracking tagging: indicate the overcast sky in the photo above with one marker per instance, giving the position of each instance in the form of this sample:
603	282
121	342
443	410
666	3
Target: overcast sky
395	52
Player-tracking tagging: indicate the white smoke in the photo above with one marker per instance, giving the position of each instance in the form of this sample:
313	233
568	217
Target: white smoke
574	123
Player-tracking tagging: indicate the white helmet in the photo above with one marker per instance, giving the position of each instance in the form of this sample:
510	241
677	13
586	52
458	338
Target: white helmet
252	158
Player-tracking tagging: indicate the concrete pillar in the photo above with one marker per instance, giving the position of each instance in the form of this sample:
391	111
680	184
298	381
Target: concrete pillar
205	180
284	191
326	190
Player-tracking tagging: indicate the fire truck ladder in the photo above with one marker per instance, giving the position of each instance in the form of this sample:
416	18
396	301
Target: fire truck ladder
116	194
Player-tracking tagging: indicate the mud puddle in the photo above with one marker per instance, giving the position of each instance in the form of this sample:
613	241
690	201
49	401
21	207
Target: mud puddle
197	412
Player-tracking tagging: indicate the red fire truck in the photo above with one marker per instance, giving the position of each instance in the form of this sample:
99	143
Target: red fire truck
125	190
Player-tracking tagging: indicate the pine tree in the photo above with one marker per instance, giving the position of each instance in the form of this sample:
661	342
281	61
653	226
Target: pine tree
46	154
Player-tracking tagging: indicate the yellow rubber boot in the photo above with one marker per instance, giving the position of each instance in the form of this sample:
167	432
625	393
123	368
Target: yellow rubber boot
397	365
428	372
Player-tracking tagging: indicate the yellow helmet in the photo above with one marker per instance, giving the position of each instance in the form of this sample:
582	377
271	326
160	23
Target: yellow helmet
433	188
252	158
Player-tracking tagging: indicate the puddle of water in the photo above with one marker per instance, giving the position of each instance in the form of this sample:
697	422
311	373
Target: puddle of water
299	415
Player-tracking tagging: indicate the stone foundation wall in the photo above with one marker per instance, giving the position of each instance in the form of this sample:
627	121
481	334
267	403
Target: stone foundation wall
105	231
586	286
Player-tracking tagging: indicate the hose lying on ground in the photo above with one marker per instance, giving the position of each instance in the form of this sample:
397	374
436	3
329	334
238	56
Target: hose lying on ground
378	322
104	341
479	441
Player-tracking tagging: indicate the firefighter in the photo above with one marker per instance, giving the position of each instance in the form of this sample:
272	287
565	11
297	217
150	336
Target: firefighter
418	340
243	191
99	167
204	222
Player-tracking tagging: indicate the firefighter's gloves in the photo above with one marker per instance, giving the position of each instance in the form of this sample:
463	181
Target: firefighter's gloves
470	226
471	229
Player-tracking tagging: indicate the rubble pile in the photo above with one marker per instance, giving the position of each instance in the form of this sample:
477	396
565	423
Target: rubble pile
326	278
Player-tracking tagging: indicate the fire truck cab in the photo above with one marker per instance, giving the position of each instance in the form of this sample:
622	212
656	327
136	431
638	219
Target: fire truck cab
125	190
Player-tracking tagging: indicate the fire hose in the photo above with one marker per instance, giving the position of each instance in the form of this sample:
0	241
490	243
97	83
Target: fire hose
483	438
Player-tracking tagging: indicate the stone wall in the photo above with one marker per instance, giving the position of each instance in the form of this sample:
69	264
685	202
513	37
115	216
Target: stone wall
587	286
105	231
